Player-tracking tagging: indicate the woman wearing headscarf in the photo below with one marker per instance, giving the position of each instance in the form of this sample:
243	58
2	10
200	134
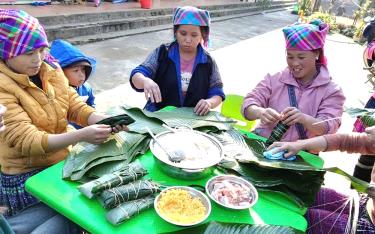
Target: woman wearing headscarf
301	96
39	104
182	73
365	163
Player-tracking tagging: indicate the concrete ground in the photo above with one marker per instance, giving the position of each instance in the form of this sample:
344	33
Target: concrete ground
245	50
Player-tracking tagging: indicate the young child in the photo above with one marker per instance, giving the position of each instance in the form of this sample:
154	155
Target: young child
39	104
303	95
182	73
77	68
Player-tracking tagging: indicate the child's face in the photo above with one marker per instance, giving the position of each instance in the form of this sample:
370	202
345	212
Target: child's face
28	63
188	37
76	75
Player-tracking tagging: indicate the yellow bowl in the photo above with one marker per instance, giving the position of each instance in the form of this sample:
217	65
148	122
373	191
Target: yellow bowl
194	194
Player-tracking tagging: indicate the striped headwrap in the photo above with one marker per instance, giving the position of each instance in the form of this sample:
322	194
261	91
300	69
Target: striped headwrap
19	33
189	15
309	36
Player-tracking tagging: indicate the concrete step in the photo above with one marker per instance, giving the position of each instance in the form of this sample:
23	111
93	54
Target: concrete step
106	36
117	23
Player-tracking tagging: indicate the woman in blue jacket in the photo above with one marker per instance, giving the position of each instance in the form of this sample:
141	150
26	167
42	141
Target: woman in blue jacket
181	73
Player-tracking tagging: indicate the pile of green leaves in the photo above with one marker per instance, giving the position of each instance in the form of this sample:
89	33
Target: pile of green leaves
87	160
238	228
298	180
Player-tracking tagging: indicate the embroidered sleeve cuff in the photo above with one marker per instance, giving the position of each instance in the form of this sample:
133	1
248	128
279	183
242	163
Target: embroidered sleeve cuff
216	92
140	69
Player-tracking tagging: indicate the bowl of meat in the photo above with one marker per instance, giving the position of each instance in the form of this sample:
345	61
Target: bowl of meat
232	192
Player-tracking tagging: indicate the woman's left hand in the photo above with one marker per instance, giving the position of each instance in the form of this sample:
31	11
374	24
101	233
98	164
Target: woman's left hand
202	107
292	115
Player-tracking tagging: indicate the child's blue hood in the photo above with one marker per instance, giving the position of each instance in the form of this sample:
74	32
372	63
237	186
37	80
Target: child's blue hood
67	54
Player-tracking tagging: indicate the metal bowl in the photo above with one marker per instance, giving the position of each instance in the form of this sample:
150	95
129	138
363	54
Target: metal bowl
208	153
195	194
253	192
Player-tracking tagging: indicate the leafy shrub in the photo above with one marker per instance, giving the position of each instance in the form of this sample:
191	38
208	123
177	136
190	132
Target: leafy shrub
327	18
305	7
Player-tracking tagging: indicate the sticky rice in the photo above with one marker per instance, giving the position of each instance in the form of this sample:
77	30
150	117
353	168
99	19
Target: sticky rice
177	205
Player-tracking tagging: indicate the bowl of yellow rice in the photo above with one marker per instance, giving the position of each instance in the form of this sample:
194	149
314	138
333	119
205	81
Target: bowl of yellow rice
182	205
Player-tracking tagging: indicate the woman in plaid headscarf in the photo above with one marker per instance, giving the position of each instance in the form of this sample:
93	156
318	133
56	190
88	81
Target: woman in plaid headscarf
39	105
302	95
182	73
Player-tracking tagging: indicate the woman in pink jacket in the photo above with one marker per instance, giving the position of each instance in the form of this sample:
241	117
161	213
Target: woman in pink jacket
303	94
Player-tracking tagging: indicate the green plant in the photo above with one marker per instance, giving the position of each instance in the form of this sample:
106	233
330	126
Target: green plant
327	18
305	7
359	16
264	4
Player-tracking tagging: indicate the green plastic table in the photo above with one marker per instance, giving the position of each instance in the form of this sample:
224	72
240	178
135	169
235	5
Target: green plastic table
65	198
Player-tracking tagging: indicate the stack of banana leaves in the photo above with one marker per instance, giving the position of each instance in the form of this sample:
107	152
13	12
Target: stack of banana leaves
298	180
87	161
238	228
123	192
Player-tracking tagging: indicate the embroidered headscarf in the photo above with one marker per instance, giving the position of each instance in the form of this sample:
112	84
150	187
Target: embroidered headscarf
19	33
307	36
189	15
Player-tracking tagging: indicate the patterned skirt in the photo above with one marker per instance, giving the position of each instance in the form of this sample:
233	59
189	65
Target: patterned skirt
13	194
330	213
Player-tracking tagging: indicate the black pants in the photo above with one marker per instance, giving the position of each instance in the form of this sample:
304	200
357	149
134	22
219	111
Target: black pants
364	167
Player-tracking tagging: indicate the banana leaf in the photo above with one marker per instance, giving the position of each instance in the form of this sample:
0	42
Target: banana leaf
176	117
297	180
359	185
113	121
110	167
113	197
257	148
122	146
129	209
132	172
299	186
277	133
238	228
142	120
234	145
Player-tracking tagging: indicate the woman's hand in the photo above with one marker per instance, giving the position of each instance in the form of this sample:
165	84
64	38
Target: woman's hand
202	107
151	90
2	112
95	134
291	148
292	115
119	128
269	116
